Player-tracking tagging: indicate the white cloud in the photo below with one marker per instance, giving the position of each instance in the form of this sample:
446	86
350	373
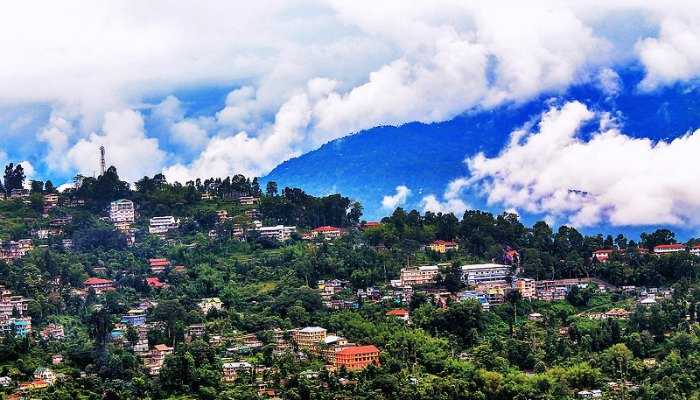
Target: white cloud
314	70
127	148
609	81
452	202
390	202
454	206
611	177
673	55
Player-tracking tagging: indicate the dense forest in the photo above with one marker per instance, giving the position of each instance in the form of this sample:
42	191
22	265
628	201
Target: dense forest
455	349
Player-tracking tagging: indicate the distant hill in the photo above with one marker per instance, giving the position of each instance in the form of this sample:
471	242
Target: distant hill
426	157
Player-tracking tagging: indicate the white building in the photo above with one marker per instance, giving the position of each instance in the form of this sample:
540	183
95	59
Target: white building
477	273
669	248
280	233
161	225
413	276
121	211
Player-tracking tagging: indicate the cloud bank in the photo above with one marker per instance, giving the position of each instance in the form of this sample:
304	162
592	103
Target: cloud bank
609	178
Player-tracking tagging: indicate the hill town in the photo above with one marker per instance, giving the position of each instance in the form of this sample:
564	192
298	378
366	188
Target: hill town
221	289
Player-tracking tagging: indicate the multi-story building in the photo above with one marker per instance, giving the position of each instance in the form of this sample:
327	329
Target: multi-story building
158	265
45	374
247	200
695	250
19	193
53	331
100	285
415	276
474	295
494	291
357	357
526	287
21	326
326	232
14	250
50	201
134	317
280	233
231	370
308	337
210	303
194	331
161	225
122	211
669	248
443	246
12	305
154	361
476	273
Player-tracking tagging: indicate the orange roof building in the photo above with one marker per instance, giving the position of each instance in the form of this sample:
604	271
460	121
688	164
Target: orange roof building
357	357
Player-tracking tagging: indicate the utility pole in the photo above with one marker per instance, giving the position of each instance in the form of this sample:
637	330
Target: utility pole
102	160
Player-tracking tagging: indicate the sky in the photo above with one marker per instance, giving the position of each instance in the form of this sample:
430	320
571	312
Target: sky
196	89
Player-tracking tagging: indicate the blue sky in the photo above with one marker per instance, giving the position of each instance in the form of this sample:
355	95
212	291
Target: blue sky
196	91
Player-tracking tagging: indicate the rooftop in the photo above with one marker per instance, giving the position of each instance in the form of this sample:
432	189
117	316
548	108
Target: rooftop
351	351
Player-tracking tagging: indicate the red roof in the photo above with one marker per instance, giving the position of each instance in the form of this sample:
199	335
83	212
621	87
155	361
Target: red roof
670	246
97	281
158	262
371	224
162	347
325	228
356	350
399	312
154	282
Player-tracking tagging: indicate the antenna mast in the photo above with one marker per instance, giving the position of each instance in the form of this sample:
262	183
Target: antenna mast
102	159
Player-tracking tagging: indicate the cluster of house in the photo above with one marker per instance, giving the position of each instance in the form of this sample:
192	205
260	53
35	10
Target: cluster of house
489	283
122	214
14	317
13	250
602	255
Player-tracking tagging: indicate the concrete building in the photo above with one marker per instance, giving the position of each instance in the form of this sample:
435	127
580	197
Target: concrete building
100	285
526	287
158	265
280	233
415	276
476	273
134	317
247	200
669	248
162	225
357	357
122	211
308	337
231	370
326	232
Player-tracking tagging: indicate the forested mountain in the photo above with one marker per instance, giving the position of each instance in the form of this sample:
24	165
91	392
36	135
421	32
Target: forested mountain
426	157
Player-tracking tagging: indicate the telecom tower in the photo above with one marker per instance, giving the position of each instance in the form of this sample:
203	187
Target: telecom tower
102	160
